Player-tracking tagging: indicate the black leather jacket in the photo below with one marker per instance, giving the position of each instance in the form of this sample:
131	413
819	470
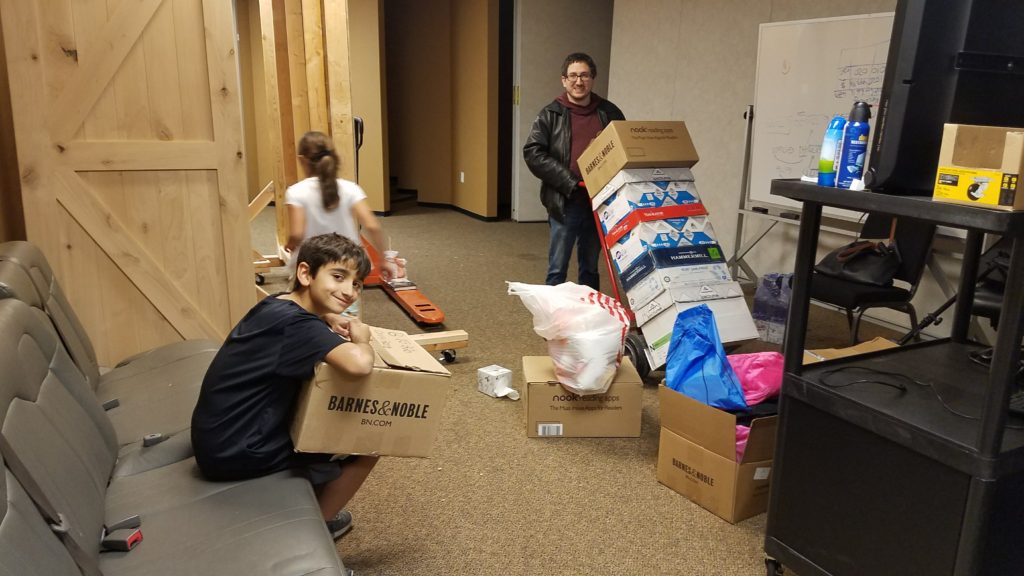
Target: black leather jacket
547	152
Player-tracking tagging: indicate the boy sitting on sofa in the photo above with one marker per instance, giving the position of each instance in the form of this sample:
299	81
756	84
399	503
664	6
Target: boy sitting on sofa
240	426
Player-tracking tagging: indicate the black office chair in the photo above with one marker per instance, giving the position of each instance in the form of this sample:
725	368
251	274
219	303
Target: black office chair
914	242
988	292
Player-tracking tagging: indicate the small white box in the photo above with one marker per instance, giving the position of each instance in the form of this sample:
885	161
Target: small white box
496	381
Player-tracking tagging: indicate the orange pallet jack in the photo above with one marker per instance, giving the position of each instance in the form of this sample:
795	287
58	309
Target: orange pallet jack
407	295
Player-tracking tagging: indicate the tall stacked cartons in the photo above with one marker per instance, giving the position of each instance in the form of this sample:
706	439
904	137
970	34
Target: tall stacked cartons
657	232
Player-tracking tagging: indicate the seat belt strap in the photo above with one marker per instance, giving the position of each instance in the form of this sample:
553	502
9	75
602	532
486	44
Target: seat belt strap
87	565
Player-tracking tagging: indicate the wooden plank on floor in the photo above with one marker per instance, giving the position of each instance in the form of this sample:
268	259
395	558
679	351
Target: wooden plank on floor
451	339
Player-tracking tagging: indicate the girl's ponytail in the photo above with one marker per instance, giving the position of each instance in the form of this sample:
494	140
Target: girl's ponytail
317	149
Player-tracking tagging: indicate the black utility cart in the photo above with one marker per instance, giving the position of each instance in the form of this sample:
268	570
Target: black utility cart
904	461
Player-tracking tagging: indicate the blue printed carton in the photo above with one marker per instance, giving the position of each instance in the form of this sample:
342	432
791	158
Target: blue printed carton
670	233
645	195
637	176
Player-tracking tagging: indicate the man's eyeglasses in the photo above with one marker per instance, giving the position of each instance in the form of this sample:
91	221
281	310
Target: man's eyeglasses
574	77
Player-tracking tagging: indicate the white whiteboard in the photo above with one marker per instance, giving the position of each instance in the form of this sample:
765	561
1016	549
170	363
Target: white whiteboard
807	72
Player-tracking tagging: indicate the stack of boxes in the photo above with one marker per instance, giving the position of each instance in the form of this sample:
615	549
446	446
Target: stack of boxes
658	233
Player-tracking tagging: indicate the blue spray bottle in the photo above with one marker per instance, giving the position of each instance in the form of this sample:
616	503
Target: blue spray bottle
830	148
855	145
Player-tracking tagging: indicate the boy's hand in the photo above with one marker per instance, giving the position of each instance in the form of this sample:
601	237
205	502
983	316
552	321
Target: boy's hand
341	324
358	332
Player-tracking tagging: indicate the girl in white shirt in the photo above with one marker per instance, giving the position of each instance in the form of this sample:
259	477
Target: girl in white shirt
324	203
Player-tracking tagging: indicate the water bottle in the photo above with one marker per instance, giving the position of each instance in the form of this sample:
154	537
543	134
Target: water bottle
855	145
830	148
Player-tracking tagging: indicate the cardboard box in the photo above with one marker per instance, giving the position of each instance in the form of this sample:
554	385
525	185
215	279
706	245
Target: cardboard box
676	265
695	293
659	176
496	382
981	166
635	144
823	354
646	281
732	318
394	411
697	457
551	410
670	233
640	195
640	215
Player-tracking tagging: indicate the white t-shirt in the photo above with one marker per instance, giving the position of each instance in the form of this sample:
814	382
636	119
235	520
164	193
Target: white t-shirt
319	221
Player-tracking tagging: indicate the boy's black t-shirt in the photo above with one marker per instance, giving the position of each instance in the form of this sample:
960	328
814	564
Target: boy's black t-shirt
240	426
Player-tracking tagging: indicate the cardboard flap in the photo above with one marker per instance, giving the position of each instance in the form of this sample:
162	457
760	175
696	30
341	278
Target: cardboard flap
761	442
542	369
539	369
398	350
697	422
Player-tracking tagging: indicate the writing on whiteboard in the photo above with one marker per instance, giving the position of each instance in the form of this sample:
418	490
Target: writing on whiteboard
861	73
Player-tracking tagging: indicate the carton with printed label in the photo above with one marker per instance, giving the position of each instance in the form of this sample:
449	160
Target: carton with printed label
644	196
635	144
670	233
394	411
732	318
697	457
663	178
553	411
646	281
981	166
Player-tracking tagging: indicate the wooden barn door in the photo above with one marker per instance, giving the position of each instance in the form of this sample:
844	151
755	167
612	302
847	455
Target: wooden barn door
128	130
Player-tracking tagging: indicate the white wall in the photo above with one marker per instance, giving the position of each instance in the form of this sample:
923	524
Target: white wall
694	60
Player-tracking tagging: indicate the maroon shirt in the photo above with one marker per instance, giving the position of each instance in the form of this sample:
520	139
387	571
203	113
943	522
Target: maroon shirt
586	125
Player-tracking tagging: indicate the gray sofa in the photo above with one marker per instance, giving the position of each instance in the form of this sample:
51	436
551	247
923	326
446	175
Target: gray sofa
94	469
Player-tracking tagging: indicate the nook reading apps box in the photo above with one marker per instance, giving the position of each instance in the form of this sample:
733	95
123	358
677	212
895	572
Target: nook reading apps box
553	411
394	411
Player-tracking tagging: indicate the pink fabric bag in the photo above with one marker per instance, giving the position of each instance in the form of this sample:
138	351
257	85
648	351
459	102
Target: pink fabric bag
760	375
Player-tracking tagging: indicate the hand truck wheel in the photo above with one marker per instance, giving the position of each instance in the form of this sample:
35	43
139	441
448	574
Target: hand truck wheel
635	346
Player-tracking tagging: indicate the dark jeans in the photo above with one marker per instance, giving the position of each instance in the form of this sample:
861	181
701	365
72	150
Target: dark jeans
578	229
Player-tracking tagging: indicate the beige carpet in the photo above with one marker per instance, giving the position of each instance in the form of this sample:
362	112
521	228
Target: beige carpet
492	501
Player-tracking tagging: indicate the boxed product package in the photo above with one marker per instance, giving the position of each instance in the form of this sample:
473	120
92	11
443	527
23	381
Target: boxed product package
657	176
394	411
697	457
980	166
635	144
640	195
665	261
731	316
698	292
496	382
670	233
640	215
873	345
551	410
643	282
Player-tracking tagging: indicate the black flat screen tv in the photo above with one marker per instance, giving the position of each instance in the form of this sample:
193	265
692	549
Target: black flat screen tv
956	61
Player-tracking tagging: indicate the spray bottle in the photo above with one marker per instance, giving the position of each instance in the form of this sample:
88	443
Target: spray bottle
830	148
855	145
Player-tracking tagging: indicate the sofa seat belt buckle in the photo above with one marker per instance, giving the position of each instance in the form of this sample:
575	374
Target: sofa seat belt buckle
121	540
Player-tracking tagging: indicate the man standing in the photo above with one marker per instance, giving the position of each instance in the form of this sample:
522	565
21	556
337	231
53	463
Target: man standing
561	132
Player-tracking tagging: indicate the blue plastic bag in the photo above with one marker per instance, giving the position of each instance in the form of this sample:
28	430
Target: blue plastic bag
697	365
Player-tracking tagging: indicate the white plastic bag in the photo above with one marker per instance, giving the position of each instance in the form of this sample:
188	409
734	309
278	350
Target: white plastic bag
585	330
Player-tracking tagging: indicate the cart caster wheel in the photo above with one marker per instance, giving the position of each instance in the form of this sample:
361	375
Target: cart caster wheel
774	567
261	279
635	346
447	356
